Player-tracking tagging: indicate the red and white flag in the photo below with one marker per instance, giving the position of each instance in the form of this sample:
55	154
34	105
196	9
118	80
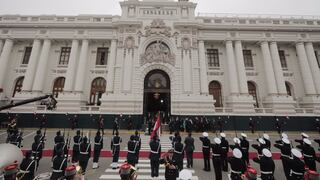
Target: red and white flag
156	127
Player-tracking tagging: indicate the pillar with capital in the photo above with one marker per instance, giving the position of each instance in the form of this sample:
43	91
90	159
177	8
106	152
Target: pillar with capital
1	45
312	60
83	61
203	69
111	63
70	76
4	59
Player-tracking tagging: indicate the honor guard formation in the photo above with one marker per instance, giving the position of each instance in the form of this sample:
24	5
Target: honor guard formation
229	155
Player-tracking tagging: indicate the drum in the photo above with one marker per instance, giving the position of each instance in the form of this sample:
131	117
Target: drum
251	173
43	176
313	175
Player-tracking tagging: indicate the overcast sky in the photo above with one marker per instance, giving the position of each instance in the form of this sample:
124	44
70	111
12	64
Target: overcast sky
75	7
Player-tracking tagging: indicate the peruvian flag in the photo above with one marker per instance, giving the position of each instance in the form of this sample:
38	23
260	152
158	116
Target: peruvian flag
156	127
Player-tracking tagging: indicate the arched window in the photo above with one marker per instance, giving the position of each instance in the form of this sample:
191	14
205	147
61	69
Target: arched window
289	88
18	85
98	87
58	86
215	91
253	92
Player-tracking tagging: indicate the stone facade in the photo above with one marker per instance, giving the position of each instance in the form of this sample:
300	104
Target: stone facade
164	35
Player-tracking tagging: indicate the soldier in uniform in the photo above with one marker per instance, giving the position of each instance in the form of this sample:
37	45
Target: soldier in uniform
98	145
189	148
266	138
60	146
115	125
259	147
267	165
178	153
155	152
59	138
132	151
77	139
16	138
84	154
303	136
28	167
285	149
224	154
206	150
115	147
244	145
216	158
174	138
38	135
37	148
236	144
238	166
171	170
252	125
309	154
138	140
59	164
296	165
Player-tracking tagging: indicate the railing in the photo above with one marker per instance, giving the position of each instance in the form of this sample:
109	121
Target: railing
259	16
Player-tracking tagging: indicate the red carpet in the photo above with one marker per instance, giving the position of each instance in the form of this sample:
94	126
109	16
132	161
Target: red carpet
145	154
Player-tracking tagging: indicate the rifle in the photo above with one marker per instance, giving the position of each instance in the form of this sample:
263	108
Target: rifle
64	131
89	137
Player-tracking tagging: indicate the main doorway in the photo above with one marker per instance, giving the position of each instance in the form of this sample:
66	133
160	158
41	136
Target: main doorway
156	95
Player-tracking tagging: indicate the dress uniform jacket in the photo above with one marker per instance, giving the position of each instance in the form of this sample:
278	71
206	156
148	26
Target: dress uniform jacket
238	167
76	144
178	155
84	155
224	153
285	150
309	156
59	164
28	165
297	168
244	147
216	160
206	152
267	167
155	152
98	145
131	156
115	147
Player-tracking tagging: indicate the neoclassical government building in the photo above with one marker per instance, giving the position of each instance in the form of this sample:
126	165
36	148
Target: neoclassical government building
159	55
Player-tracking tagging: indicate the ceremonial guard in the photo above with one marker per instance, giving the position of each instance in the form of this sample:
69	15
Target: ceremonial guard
206	150
84	155
224	153
296	165
60	146
77	139
59	138
38	136
238	166
266	138
173	139
178	153
16	138
115	148
115	125
59	164
28	167
303	136
155	152
37	148
267	165
259	147
171	170
236	144
132	148
216	158
98	145
189	148
309	154
138	140
285	149
244	145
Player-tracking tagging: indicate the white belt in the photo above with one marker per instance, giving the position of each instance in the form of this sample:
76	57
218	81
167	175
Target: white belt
236	172
224	147
296	173
133	152
216	154
266	172
307	155
97	143
154	152
205	146
116	144
57	171
35	152
84	152
285	155
177	152
77	144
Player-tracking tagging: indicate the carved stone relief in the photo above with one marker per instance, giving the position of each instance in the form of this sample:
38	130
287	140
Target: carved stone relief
158	52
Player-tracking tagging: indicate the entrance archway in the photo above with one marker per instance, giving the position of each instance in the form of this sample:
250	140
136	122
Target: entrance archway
156	96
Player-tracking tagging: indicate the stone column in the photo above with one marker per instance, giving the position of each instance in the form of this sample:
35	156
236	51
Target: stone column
187	74
242	77
42	66
1	45
4	59
313	65
32	65
80	78
268	67
68	86
111	62
277	68
305	69
232	71
204	86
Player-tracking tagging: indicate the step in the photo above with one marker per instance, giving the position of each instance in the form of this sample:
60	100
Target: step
141	171
142	177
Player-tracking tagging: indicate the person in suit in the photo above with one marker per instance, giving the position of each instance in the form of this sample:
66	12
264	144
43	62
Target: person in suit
189	148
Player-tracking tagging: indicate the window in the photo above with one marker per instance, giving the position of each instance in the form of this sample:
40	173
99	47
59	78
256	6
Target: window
18	86
213	58
64	55
58	86
288	88
27	53
253	92
215	91
283	60
247	57
102	56
317	57
98	87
